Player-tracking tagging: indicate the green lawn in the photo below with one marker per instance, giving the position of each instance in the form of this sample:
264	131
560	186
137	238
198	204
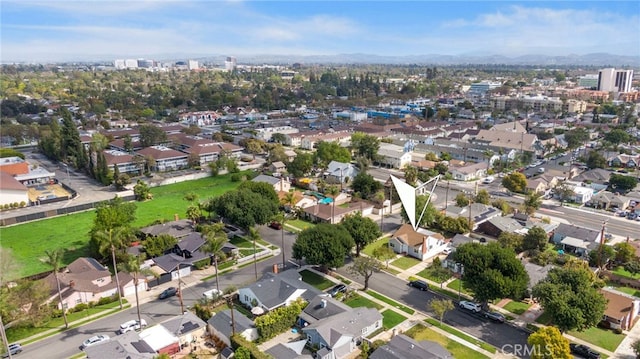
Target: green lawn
624	273
457	285
544	318
298	223
241	242
391	318
603	338
369	248
405	262
516	307
420	332
391	271
359	301
390	301
316	280
244	252
486	346
437	274
628	290
29	241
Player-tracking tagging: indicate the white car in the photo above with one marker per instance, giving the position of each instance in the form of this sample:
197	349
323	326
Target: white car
94	340
474	307
448	250
212	294
488	180
131	325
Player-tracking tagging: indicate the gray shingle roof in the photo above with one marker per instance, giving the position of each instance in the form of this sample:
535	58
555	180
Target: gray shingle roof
404	347
316	311
273	290
268	179
222	322
184	324
176	228
565	230
128	345
349	323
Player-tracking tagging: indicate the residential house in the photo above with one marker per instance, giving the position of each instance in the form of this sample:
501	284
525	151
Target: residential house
279	184
606	200
11	190
209	151
128	345
160	340
177	228
508	140
222	326
574	239
393	156
477	212
328	213
166	159
85	280
624	160
404	347
596	175
496	225
469	172
274	291
537	185
291	155
338	329
188	328
292	350
536	272
14	165
421	243
622	310
338	172
277	168
310	142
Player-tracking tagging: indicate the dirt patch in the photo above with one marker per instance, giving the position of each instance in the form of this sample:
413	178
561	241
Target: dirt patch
47	191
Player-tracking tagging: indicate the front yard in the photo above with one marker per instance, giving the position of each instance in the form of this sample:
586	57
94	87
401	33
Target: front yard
369	248
405	262
457	350
356	301
437	274
604	338
316	280
516	307
391	318
624	273
297	225
457	285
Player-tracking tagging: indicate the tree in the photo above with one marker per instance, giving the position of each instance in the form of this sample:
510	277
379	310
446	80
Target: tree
365	267
622	182
515	182
157	245
151	135
511	240
301	164
441	168
131	265
625	252
576	137
492	271
333	192
277	153
109	240
431	214
440	307
411	175
483	197
242	353
548	343
325	245
596	160
54	260
141	191
536	238
365	145
617	136
109	216
194	213
279	138
244	207
215	238
571	296
254	236
563	192
636	347
331	151
363	230
365	184
384	253
462	200
602	256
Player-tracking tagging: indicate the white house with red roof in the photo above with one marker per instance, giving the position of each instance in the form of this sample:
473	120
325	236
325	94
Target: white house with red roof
166	158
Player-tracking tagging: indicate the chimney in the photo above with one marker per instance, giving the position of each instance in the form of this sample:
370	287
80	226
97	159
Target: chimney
176	217
72	283
323	303
275	268
424	245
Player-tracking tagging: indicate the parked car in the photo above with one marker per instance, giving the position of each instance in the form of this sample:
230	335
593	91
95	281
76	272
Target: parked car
447	250
474	307
495	316
131	325
93	341
169	292
275	225
212	294
632	215
541	170
13	349
584	351
488	180
420	284
340	288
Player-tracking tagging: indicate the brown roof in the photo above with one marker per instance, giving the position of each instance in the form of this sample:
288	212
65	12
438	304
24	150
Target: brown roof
413	238
113	158
618	305
161	152
8	183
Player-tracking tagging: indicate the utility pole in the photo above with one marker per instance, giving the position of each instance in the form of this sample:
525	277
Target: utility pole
604	223
233	320
180	291
446	197
4	337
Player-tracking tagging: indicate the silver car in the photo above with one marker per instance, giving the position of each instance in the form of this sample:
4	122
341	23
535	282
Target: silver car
94	340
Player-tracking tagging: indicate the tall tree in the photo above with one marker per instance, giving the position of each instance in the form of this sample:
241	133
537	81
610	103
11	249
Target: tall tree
536	238
331	151
363	230
215	238
365	267
365	145
440	307
111	240
385	254
515	182
532	202
365	185
54	260
324	245
281	217
333	192
151	135
254	236
548	343
411	175
131	265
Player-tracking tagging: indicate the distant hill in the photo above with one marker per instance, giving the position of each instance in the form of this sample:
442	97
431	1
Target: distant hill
595	59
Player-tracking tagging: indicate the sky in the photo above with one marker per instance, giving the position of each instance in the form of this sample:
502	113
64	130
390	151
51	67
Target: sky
74	30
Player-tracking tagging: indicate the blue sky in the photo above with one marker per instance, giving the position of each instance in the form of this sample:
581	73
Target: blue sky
51	30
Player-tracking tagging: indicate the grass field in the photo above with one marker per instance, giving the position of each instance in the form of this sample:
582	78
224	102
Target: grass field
391	318
405	262
516	307
360	301
457	350
29	241
603	338
316	280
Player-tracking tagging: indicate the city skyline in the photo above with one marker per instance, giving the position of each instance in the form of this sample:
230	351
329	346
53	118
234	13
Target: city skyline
34	31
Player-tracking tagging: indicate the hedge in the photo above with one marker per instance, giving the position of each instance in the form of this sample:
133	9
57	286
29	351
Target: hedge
278	320
238	341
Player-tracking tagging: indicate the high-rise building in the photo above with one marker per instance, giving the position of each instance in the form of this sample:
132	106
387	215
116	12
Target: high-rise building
230	64
612	80
193	65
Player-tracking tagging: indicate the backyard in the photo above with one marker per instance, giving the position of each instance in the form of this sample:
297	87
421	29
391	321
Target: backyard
29	241
457	350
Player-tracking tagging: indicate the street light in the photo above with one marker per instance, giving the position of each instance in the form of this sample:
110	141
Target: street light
67	167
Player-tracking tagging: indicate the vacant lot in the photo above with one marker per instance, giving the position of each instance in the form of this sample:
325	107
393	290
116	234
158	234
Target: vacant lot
29	241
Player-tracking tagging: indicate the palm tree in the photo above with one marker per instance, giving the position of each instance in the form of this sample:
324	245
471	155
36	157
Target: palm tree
132	265
254	236
333	192
289	199
380	198
281	218
54	260
215	239
111	239
488	154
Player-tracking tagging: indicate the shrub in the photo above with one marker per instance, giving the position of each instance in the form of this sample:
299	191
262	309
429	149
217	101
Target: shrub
278	320
201	263
56	313
107	300
236	177
617	331
79	307
202	312
6	206
23	204
238	341
230	289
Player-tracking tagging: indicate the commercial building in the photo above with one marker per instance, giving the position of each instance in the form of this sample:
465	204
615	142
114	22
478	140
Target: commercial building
613	80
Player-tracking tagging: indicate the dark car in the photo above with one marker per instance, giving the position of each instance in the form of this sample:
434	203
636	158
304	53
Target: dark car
422	285
340	288
275	225
495	316
169	292
584	351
